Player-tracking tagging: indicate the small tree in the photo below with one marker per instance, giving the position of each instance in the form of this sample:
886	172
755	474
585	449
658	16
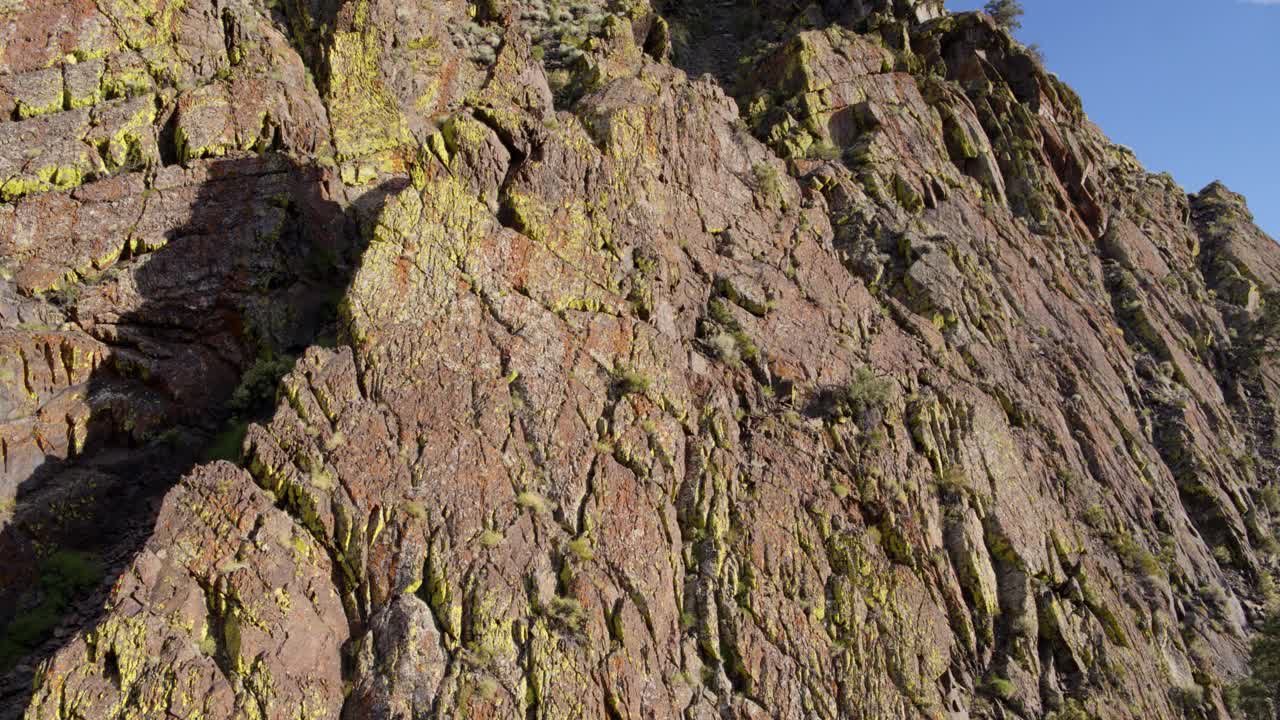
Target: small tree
1006	13
1259	694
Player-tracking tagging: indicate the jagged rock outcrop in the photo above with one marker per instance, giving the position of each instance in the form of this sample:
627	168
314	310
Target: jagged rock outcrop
850	373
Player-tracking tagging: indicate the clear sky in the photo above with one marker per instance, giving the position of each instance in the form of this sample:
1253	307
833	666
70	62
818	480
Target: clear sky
1192	86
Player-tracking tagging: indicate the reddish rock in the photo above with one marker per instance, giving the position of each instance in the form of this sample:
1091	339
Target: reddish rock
873	383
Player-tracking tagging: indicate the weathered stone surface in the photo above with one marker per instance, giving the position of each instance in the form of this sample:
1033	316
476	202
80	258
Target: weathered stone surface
226	612
873	383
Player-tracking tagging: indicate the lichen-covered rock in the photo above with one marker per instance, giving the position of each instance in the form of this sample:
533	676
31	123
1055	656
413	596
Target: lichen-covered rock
630	382
226	612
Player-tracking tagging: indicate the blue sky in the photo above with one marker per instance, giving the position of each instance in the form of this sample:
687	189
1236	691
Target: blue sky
1192	86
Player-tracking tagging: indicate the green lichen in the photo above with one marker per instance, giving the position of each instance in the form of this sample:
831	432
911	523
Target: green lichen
27	110
126	82
906	195
363	113
48	177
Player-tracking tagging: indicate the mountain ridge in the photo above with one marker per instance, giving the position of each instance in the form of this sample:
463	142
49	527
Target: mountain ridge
858	376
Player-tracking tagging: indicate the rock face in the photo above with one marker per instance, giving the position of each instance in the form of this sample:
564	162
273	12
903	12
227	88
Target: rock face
612	360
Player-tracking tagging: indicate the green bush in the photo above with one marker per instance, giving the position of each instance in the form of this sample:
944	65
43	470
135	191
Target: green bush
954	479
568	613
490	538
1135	556
999	687
1271	498
64	575
1007	13
581	549
629	381
1187	698
226	444
1258	695
823	151
1223	555
719	312
530	500
865	391
768	181
1095	517
257	388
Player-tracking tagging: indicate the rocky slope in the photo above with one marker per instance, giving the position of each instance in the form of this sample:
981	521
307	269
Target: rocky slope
408	359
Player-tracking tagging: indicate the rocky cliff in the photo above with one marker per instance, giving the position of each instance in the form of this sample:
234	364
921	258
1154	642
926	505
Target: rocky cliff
627	359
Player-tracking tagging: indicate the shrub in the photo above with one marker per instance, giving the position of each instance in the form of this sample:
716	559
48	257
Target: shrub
628	381
1007	13
568	613
208	645
1271	498
999	687
725	348
865	391
1135	556
681	38
322	479
532	501
1223	555
822	150
768	181
877	439
1188	698
560	82
718	311
257	386
1095	517
646	264
64	575
581	549
1258	695
227	443
488	689
1071	710
954	479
